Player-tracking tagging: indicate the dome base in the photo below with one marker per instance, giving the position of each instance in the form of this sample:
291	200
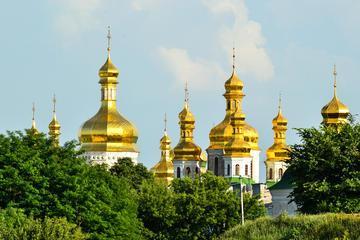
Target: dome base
109	158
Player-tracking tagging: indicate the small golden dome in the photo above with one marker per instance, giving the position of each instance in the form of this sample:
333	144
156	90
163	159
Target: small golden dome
279	119
334	112
234	83
185	115
108	69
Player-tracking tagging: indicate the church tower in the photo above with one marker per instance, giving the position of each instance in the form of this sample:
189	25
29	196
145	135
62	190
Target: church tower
334	112
54	125
108	135
222	134
164	169
278	153
187	155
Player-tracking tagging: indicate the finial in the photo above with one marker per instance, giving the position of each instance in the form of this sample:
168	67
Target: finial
280	101
33	118
234	58
54	101
108	37
335	74
186	94
165	120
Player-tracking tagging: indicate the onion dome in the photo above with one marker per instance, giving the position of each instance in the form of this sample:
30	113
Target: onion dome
164	169
334	112
237	147
108	130
222	133
186	149
279	151
54	126
33	129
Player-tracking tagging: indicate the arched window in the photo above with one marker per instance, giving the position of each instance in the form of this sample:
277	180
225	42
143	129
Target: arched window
251	168
216	169
178	172
187	172
246	170
228	105
280	173
197	171
234	104
228	169
270	173
237	170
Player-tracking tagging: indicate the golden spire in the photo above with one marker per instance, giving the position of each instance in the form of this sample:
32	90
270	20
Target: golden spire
108	37
54	125
33	129
186	94
335	74
334	112
165	129
234	59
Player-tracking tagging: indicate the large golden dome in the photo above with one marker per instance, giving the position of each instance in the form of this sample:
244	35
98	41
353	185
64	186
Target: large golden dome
108	130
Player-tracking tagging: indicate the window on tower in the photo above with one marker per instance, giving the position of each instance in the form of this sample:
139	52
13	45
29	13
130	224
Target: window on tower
246	170
237	170
178	172
187	172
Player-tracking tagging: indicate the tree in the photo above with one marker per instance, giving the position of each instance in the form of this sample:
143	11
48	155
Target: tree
192	209
49	181
326	169
134	174
14	224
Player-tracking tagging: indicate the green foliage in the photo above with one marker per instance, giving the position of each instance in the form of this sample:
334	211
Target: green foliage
48	181
193	209
134	174
326	169
305	227
14	224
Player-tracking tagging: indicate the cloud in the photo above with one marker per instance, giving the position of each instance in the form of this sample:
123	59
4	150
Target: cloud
141	5
76	17
247	37
199	73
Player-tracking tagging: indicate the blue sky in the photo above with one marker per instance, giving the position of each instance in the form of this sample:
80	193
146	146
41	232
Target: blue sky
290	46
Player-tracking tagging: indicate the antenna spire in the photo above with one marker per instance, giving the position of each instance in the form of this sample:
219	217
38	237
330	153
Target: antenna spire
108	37
280	101
33	118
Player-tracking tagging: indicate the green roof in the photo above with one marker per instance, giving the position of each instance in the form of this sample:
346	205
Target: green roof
286	182
243	179
270	184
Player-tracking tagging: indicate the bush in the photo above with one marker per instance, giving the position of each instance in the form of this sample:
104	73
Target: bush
305	227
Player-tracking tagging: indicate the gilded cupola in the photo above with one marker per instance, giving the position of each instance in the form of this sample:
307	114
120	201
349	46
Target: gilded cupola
164	169
108	130
186	149
33	129
334	112
237	147
279	151
221	134
54	125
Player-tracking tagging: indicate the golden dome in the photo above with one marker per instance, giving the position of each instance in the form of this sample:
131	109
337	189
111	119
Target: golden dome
108	130
33	129
164	169
221	134
54	126
237	147
279	151
334	112
186	149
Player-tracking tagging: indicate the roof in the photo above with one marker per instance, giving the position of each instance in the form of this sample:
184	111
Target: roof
286	182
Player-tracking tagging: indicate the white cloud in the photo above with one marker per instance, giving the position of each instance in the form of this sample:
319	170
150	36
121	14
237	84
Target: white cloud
247	37
75	17
200	73
143	4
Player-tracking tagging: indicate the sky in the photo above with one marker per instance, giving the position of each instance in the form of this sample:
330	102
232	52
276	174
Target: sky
287	46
